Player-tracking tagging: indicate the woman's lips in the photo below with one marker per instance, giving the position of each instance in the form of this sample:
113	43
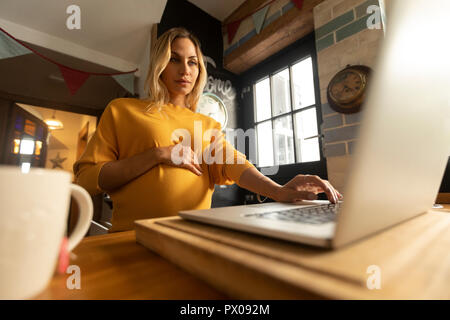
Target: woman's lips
183	83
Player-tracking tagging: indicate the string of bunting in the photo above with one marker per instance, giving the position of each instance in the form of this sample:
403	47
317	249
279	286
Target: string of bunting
258	16
74	78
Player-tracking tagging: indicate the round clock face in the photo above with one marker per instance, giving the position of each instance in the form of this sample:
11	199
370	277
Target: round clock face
346	86
212	106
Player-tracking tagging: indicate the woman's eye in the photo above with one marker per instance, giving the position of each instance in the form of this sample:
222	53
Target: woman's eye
193	63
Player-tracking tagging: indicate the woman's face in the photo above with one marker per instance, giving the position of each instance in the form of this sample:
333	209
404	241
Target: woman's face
182	71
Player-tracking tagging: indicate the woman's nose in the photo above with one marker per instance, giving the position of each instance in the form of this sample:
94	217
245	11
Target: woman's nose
184	68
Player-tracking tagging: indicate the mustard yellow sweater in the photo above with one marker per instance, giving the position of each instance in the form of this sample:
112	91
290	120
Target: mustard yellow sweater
126	129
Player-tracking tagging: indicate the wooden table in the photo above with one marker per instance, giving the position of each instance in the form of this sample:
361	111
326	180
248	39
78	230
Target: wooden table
114	266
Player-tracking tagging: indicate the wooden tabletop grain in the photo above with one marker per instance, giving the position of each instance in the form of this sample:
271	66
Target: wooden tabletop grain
114	266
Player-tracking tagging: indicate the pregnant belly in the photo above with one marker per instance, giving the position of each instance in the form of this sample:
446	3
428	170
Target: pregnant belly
164	190
176	183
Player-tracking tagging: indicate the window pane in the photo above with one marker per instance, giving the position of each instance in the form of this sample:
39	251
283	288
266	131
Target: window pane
262	94
306	126
265	144
281	93
27	146
284	140
303	82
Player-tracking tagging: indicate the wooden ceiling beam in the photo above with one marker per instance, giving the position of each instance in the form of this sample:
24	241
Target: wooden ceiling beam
288	28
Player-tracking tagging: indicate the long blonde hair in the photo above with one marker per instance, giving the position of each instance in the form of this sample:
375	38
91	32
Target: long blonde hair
160	57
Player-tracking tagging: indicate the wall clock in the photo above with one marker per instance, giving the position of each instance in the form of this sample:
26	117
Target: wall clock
212	106
347	89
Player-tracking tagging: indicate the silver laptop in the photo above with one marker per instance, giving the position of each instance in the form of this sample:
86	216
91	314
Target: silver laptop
401	153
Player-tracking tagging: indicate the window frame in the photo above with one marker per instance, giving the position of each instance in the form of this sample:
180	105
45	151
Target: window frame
291	113
286	58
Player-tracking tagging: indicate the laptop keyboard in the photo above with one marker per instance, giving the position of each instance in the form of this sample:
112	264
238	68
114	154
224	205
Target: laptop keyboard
313	215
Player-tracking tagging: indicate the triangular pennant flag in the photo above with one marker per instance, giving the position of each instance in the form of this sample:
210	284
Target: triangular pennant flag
298	3
10	48
74	79
259	17
232	29
125	80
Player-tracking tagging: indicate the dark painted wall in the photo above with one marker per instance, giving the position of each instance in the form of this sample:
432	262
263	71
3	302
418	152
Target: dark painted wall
181	13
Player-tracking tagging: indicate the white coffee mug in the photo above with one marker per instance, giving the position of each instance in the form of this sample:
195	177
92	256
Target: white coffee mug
33	220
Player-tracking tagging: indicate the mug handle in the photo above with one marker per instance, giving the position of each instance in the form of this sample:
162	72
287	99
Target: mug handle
84	201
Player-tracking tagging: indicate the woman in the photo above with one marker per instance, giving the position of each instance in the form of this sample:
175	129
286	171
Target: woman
150	171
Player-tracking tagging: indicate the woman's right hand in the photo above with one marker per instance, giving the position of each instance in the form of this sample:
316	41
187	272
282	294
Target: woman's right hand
181	156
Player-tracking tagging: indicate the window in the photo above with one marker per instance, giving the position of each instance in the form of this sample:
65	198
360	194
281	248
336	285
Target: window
286	119
280	101
27	146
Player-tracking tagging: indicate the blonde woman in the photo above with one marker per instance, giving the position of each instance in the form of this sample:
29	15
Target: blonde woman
150	171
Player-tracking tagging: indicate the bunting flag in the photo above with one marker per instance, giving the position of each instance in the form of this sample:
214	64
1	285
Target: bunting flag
126	81
298	3
74	78
259	17
232	29
12	47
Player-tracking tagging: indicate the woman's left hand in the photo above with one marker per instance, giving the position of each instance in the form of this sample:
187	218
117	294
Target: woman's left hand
306	187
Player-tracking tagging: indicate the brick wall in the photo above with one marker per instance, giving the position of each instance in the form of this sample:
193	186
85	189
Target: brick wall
342	38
